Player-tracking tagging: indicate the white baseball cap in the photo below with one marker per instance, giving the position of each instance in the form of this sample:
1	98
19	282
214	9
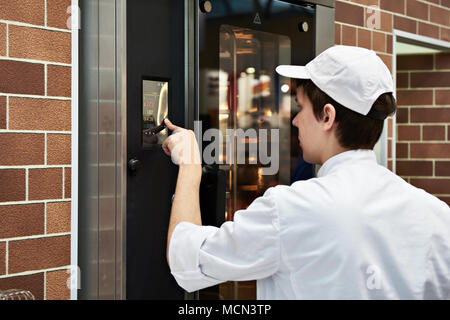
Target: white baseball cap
354	77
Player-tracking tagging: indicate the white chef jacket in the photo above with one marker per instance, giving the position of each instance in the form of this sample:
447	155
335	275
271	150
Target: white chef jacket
357	231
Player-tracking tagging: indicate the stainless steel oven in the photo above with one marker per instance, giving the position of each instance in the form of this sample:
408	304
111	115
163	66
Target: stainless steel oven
206	65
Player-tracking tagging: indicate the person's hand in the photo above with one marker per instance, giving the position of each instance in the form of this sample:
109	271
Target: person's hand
181	146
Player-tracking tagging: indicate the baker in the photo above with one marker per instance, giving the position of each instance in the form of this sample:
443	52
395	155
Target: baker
356	231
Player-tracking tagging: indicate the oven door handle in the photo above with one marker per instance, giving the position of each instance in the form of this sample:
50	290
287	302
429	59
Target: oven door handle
212	195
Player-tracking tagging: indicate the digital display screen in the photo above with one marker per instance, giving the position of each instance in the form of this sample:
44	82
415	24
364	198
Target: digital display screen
155	96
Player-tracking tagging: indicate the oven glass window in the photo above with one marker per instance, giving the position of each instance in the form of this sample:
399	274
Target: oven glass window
254	117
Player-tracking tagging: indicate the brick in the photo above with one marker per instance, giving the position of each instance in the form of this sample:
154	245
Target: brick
58	217
417	9
21	77
445	3
445	33
389	126
393	6
414	168
12	185
408	133
433	133
57	15
56	285
443	61
33	283
378	41
415	62
37	254
430	150
389	145
402	150
364	38
59	81
403	80
439	15
428	30
45	184
2	258
22	220
433	186
67	183
442	97
366	2
348	36
386	22
348	13
39	114
337	33
445	199
424	115
442	168
28	11
39	44
414	97
430	79
21	149
2	112
405	24
2	39
402	115
58	149
387	59
389	44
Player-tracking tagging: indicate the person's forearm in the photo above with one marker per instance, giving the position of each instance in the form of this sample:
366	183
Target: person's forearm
186	202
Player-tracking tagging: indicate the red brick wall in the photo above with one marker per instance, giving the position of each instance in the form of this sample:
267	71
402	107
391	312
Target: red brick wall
423	121
35	107
35	144
431	18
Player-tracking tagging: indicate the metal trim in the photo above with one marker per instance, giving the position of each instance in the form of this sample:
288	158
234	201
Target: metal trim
324	25
190	76
326	3
121	149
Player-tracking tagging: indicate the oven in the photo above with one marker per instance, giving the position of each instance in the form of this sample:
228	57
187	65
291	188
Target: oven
208	66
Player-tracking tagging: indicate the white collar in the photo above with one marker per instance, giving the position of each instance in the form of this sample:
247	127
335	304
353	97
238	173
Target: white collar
345	157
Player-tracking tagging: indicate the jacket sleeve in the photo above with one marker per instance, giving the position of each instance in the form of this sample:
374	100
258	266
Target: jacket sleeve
247	248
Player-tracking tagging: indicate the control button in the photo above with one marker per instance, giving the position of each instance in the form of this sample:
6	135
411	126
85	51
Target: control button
134	165
205	6
303	26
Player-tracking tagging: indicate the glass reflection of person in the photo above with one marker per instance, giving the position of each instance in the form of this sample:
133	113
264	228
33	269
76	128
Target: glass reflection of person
303	170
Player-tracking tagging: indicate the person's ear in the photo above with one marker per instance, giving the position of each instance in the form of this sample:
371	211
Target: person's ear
329	115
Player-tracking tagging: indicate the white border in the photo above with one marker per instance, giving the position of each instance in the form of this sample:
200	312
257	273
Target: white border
74	271
424	41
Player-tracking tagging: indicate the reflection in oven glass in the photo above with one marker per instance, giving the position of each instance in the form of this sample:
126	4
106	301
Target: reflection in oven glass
250	96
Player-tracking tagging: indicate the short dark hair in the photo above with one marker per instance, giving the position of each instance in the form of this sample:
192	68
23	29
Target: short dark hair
354	130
